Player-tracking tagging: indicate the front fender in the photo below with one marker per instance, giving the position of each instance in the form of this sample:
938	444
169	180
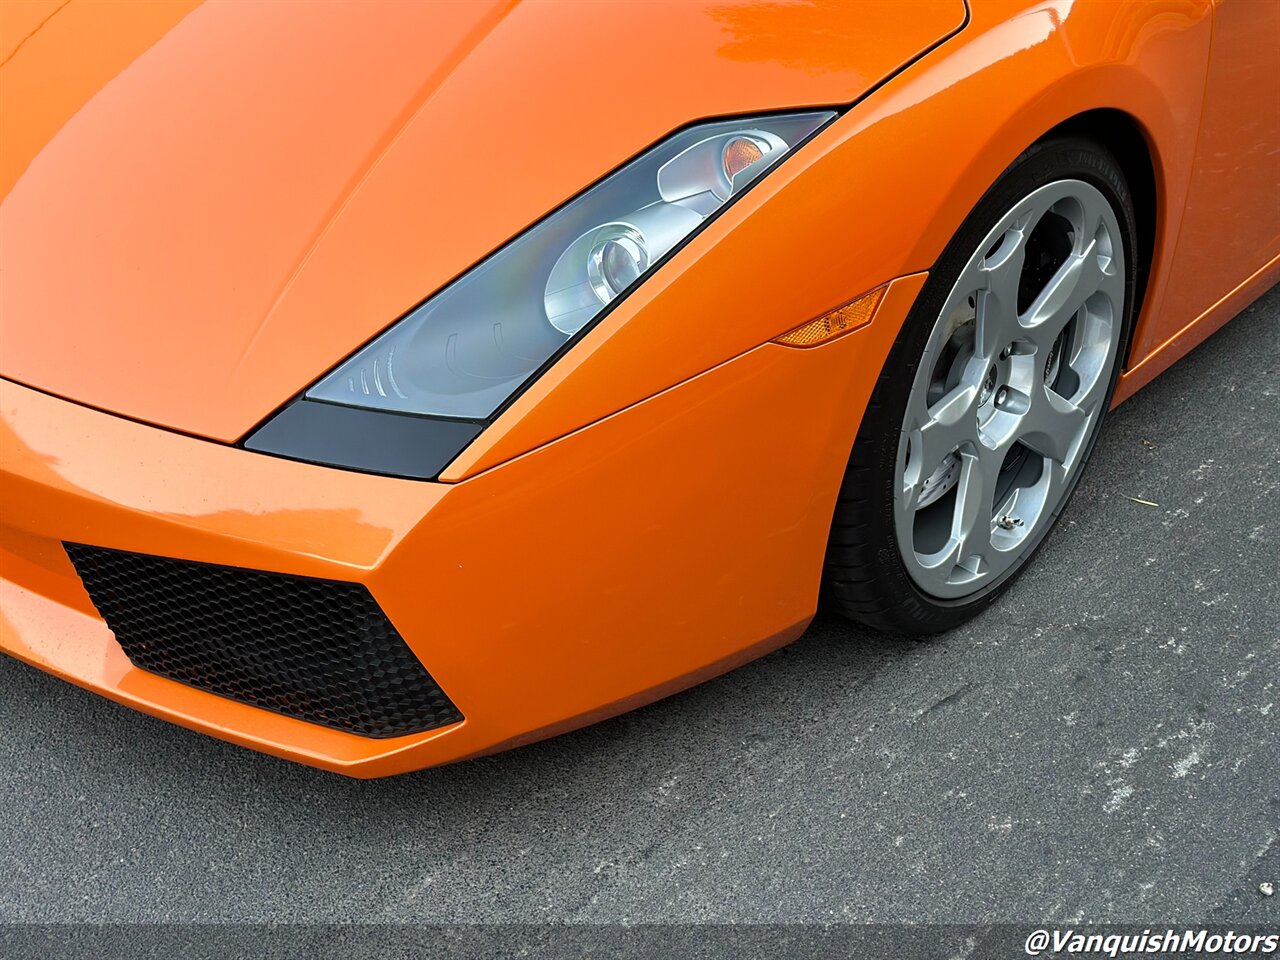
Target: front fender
878	195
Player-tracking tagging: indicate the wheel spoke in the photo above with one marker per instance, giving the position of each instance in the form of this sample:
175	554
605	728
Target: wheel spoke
1091	219
1095	391
971	526
947	426
970	533
997	308
951	422
1063	296
1052	425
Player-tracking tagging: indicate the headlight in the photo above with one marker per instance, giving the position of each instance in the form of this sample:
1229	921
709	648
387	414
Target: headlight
469	348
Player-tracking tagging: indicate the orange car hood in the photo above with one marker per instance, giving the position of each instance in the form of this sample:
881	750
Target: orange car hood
205	206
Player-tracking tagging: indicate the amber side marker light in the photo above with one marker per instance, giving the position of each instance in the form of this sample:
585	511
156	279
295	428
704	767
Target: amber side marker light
837	323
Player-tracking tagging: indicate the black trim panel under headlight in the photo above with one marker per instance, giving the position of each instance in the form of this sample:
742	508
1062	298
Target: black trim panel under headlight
372	441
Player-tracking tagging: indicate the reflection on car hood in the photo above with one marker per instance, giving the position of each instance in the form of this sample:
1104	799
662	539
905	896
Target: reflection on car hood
207	205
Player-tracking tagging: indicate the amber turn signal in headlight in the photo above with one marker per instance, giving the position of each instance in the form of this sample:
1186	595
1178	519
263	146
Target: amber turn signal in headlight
837	323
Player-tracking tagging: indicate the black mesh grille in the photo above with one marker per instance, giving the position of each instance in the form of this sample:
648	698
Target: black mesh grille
317	650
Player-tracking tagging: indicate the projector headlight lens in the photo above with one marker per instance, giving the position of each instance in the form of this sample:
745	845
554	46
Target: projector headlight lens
471	346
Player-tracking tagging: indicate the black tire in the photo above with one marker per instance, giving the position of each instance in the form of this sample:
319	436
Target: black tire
864	576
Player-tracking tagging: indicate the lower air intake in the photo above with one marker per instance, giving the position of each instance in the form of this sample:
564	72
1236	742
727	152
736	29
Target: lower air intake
317	650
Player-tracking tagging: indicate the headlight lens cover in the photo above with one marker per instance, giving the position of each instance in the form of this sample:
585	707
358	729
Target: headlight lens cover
411	400
471	346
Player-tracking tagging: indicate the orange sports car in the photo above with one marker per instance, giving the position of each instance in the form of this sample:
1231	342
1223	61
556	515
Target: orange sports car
389	383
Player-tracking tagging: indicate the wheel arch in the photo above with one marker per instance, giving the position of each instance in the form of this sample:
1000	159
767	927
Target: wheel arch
1125	138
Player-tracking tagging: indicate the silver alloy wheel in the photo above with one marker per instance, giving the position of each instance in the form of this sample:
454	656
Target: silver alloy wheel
1009	389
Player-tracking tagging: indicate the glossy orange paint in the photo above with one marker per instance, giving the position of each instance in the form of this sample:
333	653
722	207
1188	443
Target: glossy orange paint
1228	246
211	235
236	218
556	638
810	232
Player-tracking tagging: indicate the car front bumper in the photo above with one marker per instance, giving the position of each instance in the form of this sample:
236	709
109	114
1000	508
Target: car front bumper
655	548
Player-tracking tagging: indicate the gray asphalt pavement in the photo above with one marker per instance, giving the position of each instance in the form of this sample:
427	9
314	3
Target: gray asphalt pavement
1104	744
